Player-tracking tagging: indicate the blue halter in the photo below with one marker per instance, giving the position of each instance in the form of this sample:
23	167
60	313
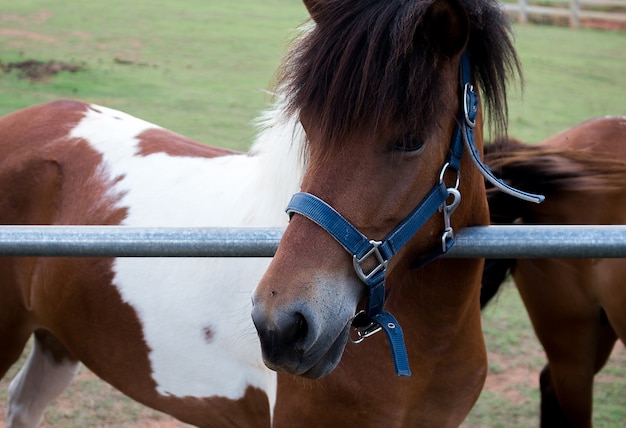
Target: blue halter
375	318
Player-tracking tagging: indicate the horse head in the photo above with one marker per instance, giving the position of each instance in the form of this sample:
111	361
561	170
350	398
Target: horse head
379	91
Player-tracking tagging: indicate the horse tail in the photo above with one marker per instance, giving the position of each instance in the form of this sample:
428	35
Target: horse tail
494	274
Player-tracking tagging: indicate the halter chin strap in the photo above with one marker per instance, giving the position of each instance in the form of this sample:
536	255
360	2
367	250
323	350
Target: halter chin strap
378	253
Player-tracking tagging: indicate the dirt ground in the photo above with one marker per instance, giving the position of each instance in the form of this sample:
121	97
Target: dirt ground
37	71
506	383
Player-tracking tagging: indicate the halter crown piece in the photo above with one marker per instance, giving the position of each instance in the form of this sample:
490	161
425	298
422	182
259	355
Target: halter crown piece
374	318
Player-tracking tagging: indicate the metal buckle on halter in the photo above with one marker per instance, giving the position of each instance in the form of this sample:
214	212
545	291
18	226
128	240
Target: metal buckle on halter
369	328
467	104
382	263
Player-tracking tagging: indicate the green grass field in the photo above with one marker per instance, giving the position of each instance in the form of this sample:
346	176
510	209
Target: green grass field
198	68
202	68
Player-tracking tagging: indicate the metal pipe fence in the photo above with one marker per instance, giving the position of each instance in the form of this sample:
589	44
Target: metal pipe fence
517	241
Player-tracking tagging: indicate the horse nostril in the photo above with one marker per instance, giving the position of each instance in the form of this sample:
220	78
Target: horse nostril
303	327
285	333
296	330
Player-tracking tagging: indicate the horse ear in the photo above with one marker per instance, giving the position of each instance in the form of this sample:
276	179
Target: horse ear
313	6
447	25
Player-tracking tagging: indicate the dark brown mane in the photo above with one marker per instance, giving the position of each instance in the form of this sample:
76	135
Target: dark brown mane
375	60
536	168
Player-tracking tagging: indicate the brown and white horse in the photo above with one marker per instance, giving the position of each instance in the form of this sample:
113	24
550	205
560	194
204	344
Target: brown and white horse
577	306
376	86
173	334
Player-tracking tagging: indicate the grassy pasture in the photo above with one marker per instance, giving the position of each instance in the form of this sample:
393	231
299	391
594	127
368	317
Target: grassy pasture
200	68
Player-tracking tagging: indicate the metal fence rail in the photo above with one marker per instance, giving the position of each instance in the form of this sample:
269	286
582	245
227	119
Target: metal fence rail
121	241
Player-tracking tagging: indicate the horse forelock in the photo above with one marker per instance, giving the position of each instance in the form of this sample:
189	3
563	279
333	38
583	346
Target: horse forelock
375	61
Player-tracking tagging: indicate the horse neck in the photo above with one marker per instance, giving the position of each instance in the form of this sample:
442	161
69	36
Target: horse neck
278	154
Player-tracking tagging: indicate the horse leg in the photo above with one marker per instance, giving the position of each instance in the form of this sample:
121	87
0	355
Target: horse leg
14	332
614	304
47	372
566	383
571	331
567	392
12	347
607	338
551	413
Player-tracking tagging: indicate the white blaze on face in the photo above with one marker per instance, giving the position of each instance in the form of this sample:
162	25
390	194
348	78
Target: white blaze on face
195	312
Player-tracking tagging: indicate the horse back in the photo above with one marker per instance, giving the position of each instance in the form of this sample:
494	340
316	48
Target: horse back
50	176
579	165
598	135
582	172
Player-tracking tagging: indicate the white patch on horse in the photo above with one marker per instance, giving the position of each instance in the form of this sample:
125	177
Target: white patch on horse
177	298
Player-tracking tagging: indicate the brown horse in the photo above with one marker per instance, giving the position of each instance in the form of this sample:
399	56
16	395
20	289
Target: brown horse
577	306
377	88
385	89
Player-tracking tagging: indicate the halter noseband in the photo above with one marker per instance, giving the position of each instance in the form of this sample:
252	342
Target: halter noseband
374	318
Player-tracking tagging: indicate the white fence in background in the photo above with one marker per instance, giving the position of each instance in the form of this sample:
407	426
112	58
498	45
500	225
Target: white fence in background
573	10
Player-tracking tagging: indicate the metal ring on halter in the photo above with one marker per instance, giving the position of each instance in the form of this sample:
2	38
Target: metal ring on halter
362	332
466	90
442	175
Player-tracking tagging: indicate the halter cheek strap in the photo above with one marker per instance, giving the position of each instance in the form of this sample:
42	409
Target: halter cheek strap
470	109
440	198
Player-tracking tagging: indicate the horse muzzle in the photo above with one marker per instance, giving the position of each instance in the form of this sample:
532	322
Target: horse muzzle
299	338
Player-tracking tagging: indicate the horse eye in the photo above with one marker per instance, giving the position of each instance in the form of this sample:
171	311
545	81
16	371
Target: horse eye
409	143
